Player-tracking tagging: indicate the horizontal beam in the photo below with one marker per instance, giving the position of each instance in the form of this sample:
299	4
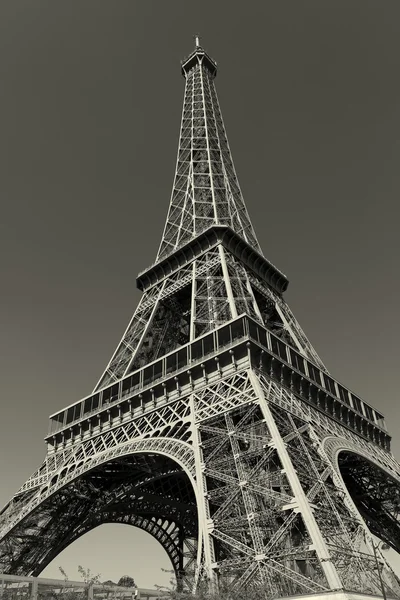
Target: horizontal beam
173	376
205	241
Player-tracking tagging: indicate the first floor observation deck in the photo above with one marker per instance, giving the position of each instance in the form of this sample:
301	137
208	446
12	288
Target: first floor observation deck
241	343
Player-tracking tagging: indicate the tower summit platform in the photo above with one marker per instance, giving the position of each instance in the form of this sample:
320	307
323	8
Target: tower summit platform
199	57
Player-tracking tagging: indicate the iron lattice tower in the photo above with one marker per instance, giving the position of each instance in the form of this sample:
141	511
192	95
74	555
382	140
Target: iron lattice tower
215	426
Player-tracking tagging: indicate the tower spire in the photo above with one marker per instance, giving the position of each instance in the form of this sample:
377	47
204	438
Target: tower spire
206	189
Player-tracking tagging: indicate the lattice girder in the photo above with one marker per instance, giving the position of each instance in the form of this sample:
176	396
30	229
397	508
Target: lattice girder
252	488
215	426
208	292
206	189
205	194
148	491
339	529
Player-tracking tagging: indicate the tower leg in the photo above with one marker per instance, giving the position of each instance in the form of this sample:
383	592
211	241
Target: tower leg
304	507
205	549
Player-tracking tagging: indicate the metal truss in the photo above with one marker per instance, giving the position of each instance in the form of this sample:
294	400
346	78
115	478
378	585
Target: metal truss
206	189
278	503
277	316
232	468
215	287
254	490
209	291
148	491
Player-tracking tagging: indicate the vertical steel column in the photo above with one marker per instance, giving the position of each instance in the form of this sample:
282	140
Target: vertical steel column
146	328
216	216
205	523
227	281
320	546
254	301
193	304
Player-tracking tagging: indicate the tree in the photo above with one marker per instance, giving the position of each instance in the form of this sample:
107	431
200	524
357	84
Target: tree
126	581
255	591
73	592
87	576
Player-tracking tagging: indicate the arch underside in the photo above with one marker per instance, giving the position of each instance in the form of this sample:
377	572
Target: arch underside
257	530
376	495
149	491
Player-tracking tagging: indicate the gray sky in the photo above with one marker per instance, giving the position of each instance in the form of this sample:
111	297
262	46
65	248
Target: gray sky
90	103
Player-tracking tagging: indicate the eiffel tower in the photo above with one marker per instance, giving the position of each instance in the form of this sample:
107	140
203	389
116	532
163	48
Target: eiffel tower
216	427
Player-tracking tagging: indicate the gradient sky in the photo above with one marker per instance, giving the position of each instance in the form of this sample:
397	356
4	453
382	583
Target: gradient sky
90	104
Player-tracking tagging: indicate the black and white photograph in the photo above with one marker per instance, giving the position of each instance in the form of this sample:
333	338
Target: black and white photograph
199	299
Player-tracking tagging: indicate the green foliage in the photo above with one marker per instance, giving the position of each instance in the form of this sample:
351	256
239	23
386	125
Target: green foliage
204	591
63	573
126	581
87	576
70	593
90	579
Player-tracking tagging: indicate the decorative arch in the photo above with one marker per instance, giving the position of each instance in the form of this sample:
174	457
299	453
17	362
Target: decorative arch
158	531
372	487
179	451
150	482
333	445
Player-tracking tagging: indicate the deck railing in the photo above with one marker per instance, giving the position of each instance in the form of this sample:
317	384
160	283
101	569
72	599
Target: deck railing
14	587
